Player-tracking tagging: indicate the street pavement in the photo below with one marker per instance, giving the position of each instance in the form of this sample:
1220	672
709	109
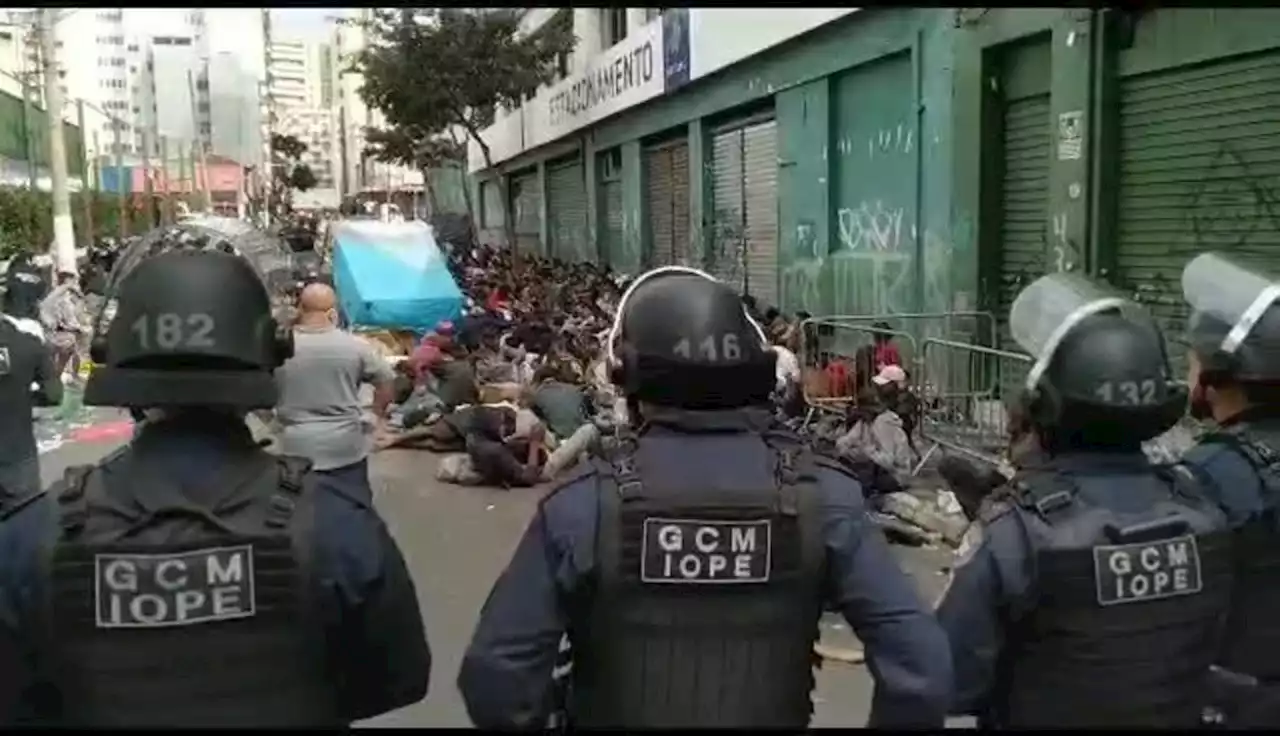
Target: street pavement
456	540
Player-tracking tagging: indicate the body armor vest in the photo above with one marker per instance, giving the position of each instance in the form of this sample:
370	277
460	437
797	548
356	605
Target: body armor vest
707	601
1252	642
1128	612
167	613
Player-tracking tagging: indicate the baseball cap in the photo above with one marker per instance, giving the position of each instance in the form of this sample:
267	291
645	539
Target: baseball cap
890	374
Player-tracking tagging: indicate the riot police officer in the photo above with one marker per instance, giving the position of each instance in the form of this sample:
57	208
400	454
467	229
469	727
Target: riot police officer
191	578
1090	589
704	541
1234	375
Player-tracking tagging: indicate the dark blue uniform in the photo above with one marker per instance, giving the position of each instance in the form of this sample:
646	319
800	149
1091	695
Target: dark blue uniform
506	675
374	632
999	581
1241	466
1234	481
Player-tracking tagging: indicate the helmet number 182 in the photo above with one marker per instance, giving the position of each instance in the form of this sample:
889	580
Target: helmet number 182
169	331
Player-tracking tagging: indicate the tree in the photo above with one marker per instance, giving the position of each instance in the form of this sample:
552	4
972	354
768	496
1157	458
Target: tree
431	70
287	172
411	146
287	146
302	178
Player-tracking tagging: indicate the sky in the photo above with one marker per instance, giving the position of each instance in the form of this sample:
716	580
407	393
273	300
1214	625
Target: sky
304	22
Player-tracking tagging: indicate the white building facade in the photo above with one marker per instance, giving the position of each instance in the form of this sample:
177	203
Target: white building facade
301	94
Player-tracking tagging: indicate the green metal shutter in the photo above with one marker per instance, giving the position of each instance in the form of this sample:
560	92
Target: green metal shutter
667	172
657	164
680	205
526	199
491	200
567	210
728	231
1199	170
760	200
1026	144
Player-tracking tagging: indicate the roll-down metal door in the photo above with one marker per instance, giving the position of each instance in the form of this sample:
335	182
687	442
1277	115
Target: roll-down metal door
760	191
667	169
744	244
1199	170
1024	90
567	211
727	230
526	201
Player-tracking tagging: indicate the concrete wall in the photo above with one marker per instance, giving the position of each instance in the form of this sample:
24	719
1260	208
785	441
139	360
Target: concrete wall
886	148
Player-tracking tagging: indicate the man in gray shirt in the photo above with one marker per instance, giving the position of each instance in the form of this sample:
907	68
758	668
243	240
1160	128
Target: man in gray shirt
320	413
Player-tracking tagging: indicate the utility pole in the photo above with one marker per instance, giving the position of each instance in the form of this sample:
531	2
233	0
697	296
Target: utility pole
166	208
86	194
122	189
269	162
148	184
198	146
28	114
183	186
64	232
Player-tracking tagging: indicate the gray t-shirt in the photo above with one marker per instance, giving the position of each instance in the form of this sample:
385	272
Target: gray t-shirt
320	413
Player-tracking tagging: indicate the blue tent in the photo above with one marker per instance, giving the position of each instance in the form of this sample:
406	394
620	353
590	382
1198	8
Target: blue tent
392	275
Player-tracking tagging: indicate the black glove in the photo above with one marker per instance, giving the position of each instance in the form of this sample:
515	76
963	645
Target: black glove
970	482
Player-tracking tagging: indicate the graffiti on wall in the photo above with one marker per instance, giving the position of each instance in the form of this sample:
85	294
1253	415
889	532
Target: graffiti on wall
877	280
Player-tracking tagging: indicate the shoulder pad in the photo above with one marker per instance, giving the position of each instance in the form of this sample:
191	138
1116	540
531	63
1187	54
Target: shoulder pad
582	471
999	502
824	460
114	456
23	502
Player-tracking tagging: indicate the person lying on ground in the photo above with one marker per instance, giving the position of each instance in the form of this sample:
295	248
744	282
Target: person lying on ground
507	449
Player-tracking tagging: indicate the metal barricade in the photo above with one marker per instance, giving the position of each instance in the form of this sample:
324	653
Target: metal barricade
827	342
838	338
964	391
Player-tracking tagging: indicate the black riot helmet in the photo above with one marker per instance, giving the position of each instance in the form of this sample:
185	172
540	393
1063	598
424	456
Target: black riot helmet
1101	370
1234	329
191	326
681	338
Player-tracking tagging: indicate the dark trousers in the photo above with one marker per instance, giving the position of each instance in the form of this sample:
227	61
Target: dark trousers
354	478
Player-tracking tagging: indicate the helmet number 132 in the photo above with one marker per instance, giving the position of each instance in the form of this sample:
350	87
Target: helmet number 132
169	331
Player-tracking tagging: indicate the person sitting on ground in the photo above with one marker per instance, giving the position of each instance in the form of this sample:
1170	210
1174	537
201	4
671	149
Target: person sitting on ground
891	385
877	433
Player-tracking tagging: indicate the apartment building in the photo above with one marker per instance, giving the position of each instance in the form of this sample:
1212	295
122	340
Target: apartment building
354	171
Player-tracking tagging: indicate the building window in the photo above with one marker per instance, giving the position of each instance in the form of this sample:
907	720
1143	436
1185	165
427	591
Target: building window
613	26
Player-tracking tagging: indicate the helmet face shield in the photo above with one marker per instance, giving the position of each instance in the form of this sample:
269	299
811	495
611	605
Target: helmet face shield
1227	299
1046	311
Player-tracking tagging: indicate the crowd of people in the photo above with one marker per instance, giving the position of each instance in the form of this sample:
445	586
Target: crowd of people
517	390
